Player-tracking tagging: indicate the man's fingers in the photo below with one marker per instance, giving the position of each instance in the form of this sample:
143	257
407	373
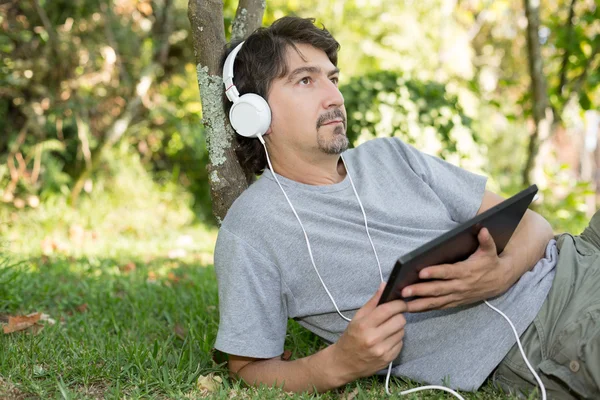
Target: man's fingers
393	344
386	311
431	303
442	271
486	241
456	271
372	303
431	289
395	350
391	327
393	339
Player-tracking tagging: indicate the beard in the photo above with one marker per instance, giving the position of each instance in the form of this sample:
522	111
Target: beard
336	144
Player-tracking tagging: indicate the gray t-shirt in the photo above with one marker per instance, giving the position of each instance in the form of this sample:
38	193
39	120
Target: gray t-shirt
265	275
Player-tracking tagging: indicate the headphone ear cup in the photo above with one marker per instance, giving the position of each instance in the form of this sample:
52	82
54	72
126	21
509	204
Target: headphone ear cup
250	115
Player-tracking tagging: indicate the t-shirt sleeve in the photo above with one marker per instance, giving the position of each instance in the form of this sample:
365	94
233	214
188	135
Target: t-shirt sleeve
253	313
460	190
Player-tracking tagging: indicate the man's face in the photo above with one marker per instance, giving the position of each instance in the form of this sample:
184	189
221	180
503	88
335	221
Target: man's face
307	107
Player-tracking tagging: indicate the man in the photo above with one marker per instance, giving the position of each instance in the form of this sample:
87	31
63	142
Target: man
319	262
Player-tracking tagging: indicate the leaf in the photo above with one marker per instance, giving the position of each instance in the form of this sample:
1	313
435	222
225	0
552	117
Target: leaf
180	331
20	323
287	354
351	395
173	278
151	277
36	328
30	322
46	318
127	268
209	383
82	307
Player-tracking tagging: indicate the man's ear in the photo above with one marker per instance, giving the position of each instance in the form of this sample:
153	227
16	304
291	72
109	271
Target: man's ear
268	131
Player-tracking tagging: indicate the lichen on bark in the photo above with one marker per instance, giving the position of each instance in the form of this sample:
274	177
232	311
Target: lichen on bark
217	136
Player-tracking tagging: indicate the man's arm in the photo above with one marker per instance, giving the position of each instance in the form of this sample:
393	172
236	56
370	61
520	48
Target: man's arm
527	245
371	341
316	372
484	274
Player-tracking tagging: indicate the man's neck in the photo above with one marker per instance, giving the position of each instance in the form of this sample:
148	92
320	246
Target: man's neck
324	169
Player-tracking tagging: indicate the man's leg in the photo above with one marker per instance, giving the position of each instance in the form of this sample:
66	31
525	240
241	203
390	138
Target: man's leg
563	343
591	234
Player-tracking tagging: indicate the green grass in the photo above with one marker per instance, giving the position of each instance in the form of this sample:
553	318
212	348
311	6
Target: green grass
144	333
133	319
118	333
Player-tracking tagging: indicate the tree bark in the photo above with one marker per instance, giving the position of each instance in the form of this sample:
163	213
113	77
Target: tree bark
542	113
565	60
248	18
226	177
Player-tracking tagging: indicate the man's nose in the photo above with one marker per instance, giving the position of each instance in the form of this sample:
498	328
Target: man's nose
332	97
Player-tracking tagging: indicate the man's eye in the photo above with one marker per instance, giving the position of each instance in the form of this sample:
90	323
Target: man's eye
335	81
305	80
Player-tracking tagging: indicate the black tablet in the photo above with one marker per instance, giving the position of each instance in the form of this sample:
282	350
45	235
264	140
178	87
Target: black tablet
459	243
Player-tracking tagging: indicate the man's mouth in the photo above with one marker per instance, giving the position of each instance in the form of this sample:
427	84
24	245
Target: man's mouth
335	121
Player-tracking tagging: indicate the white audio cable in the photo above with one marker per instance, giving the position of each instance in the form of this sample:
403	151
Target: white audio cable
306	235
387	379
536	376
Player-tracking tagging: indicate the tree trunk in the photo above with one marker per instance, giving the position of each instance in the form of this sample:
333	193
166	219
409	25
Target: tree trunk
542	113
248	18
226	177
565	60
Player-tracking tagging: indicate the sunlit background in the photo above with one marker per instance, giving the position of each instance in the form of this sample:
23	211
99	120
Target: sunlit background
101	118
103	152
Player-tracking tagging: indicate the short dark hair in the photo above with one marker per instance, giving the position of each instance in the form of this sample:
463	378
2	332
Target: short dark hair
261	60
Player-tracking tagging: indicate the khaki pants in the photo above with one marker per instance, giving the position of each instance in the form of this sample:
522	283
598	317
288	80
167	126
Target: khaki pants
563	342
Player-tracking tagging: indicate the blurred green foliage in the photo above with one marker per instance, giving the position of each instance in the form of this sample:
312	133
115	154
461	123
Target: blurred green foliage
566	211
450	78
387	104
67	76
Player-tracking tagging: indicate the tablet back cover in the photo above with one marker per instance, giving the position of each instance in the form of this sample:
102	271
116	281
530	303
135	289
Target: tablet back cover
459	243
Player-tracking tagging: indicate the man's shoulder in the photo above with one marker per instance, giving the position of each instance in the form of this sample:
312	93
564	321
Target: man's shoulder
379	143
381	149
250	206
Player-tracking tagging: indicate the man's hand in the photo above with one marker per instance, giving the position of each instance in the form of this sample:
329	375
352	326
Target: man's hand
372	339
482	276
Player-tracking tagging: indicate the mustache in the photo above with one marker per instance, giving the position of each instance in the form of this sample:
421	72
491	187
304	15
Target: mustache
330	116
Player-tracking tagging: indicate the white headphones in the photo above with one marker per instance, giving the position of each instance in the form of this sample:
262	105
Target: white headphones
250	114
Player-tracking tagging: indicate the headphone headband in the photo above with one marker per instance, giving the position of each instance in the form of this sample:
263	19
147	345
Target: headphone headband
250	114
230	90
